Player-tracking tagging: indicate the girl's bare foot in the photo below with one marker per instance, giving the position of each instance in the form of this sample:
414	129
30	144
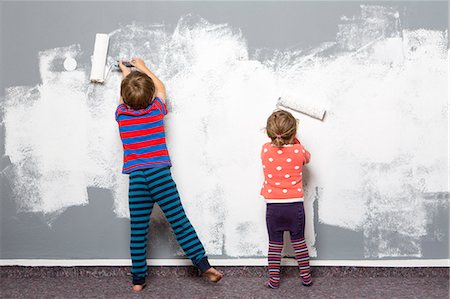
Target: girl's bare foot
138	287
213	275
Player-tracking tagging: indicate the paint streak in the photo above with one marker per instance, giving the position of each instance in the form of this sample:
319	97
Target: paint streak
382	145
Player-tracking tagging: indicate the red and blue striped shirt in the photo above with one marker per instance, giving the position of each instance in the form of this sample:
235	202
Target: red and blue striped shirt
143	136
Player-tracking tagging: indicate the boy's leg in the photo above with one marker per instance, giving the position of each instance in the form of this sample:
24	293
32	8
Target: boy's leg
275	246
141	205
300	248
164	192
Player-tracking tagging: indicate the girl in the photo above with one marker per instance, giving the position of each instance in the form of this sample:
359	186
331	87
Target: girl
283	159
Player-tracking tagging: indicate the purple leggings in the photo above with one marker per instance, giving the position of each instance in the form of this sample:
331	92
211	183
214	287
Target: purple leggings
282	217
290	217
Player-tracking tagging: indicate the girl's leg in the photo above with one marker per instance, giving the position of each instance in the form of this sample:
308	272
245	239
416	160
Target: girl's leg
274	260
302	257
141	205
164	192
300	248
275	230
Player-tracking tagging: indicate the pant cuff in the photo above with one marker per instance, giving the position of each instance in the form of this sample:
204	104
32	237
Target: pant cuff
203	264
138	280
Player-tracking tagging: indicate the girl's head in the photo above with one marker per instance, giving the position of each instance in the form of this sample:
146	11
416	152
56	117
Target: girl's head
137	90
281	128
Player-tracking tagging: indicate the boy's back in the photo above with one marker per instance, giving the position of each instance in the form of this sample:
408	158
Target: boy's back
143	136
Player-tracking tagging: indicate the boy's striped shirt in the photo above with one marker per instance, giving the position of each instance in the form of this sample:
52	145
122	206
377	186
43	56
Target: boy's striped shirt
143	136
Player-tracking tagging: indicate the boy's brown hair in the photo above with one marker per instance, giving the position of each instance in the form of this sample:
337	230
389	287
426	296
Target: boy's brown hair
137	90
281	127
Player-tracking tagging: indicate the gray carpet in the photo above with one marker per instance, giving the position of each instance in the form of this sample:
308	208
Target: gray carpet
237	283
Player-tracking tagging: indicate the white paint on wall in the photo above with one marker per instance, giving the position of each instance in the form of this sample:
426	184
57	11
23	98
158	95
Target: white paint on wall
381	146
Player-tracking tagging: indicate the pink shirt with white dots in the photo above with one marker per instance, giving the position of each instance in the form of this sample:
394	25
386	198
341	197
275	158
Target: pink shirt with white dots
283	171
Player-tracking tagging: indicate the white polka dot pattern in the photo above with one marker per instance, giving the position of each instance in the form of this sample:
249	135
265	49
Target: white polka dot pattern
283	171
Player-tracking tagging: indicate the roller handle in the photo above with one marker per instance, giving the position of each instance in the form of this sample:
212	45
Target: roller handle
125	63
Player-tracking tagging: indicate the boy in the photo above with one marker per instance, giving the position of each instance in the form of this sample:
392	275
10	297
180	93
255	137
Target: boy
146	160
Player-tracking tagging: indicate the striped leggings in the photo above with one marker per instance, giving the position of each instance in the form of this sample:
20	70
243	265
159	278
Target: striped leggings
290	217
147	187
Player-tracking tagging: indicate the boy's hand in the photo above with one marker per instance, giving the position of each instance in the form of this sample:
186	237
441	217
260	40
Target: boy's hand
138	63
125	70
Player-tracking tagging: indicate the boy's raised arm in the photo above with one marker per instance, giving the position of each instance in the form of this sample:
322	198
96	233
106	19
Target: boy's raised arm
125	72
159	86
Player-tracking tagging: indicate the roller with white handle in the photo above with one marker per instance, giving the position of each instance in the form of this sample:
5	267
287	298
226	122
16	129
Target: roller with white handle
99	58
307	109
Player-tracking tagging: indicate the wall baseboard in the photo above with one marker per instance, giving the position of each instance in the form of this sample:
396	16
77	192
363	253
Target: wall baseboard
224	262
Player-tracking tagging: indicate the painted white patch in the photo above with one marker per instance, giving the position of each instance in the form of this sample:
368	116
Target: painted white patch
70	64
382	142
46	137
385	138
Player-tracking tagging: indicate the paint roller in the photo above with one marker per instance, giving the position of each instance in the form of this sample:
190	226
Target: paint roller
99	67
307	109
101	62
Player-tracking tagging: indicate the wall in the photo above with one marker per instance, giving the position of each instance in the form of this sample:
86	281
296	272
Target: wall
377	185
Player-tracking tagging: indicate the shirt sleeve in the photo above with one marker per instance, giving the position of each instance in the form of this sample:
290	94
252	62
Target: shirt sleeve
306	155
160	105
120	109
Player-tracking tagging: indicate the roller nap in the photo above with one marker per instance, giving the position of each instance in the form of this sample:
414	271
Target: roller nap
307	109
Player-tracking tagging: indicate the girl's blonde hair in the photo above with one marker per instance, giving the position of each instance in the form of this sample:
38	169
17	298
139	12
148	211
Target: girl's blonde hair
281	127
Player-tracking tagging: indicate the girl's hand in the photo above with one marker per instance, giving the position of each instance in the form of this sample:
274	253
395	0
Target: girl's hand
138	63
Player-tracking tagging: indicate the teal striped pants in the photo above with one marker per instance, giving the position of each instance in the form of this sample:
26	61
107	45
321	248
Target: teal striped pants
147	187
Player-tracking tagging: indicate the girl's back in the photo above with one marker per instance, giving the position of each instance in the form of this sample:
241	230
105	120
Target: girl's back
283	171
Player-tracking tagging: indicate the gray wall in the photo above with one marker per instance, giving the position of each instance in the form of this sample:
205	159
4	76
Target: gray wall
93	230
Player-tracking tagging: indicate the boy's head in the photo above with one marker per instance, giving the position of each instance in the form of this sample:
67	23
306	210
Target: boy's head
137	90
281	127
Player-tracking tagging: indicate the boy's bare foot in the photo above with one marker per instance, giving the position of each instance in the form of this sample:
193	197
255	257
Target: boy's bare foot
213	275
138	287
